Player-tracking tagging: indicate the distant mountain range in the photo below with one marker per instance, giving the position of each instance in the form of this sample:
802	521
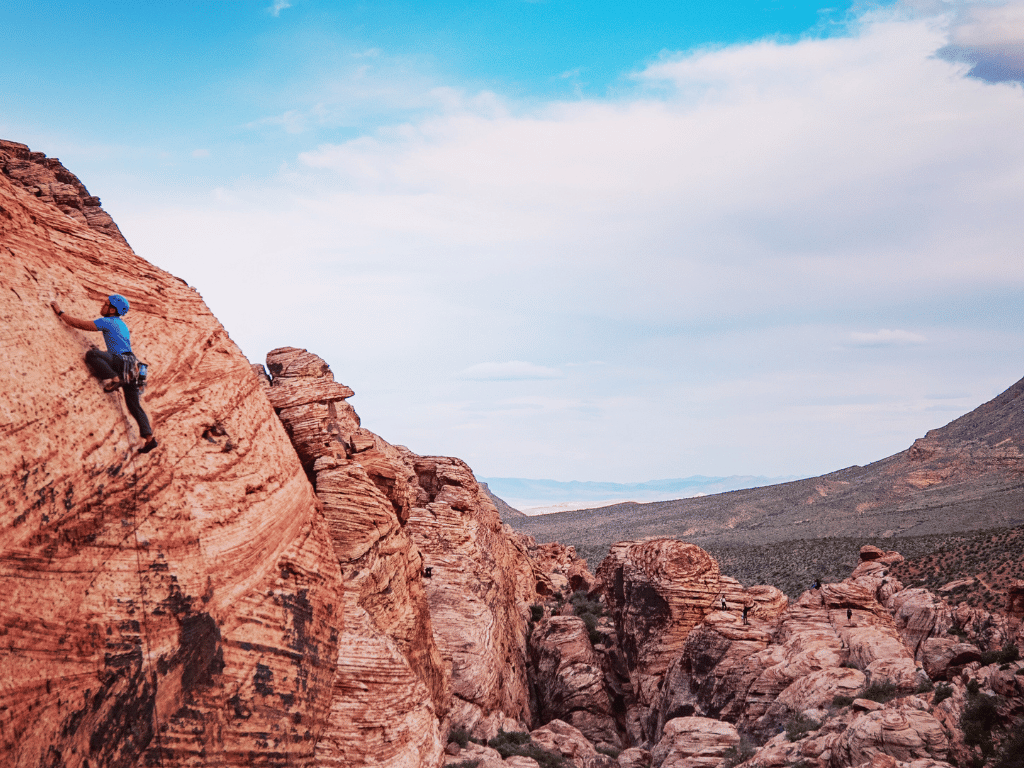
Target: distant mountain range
522	493
966	476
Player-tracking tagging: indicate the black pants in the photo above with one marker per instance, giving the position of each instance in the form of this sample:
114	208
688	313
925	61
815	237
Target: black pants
105	365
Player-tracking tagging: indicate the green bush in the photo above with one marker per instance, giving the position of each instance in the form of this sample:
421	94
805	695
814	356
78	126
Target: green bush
536	612
582	604
742	752
979	718
510	743
842	701
1009	654
942	692
460	736
1012	753
799	726
880	691
924	686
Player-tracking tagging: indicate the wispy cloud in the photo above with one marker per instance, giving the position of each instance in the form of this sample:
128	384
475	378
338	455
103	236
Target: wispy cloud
886	338
989	36
278	6
514	370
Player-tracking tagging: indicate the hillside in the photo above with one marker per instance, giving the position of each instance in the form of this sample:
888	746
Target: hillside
966	476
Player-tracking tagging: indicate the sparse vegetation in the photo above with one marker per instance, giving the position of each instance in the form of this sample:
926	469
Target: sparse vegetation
942	692
536	612
1009	654
924	686
979	718
590	611
510	743
1011	755
742	752
842	701
799	726
879	690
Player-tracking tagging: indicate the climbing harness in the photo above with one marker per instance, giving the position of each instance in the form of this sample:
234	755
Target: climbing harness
133	370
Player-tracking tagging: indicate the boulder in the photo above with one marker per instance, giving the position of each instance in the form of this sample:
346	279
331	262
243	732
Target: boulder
904	734
694	742
562	738
569	679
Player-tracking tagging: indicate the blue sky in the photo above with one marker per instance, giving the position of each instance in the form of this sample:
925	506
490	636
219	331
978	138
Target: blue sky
583	241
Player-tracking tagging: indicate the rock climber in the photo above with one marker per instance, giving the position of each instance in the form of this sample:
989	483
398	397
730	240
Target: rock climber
746	610
110	366
849	615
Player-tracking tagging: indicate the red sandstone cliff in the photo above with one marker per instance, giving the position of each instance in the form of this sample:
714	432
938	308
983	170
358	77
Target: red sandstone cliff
176	608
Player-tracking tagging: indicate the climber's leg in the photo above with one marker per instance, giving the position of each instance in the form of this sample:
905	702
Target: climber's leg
103	365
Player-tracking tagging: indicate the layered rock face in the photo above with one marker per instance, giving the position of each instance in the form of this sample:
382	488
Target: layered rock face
179	608
47	179
392	686
429	561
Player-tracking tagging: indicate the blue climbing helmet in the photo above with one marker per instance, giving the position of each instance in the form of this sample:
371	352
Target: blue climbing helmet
119	302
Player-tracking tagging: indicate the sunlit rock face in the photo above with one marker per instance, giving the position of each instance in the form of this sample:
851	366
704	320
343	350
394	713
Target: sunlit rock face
177	608
421	544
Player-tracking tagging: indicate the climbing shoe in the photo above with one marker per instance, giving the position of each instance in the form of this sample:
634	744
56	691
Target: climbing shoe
111	385
149	446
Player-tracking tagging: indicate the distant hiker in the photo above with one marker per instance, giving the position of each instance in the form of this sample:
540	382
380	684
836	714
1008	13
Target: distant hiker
117	367
724	608
816	584
746	609
849	614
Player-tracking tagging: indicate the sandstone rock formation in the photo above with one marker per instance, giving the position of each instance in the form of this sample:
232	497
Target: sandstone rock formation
569	679
46	179
177	608
694	742
395	517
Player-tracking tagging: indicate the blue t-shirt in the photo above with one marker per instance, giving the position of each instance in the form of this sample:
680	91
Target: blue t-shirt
115	334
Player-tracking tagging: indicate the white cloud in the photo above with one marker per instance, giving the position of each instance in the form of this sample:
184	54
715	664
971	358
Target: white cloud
886	338
513	370
278	6
708	237
990	36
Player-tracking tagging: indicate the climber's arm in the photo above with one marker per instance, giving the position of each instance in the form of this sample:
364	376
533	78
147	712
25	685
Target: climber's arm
74	322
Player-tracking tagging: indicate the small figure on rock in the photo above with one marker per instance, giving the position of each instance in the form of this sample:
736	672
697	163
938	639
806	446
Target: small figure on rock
746	610
849	615
724	608
816	584
117	367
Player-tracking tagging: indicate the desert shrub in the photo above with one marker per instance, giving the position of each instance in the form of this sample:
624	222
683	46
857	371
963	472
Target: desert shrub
740	753
958	631
611	752
510	743
942	692
799	726
842	701
979	718
880	691
1012	753
582	604
465	764
924	686
536	612
1009	654
460	736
